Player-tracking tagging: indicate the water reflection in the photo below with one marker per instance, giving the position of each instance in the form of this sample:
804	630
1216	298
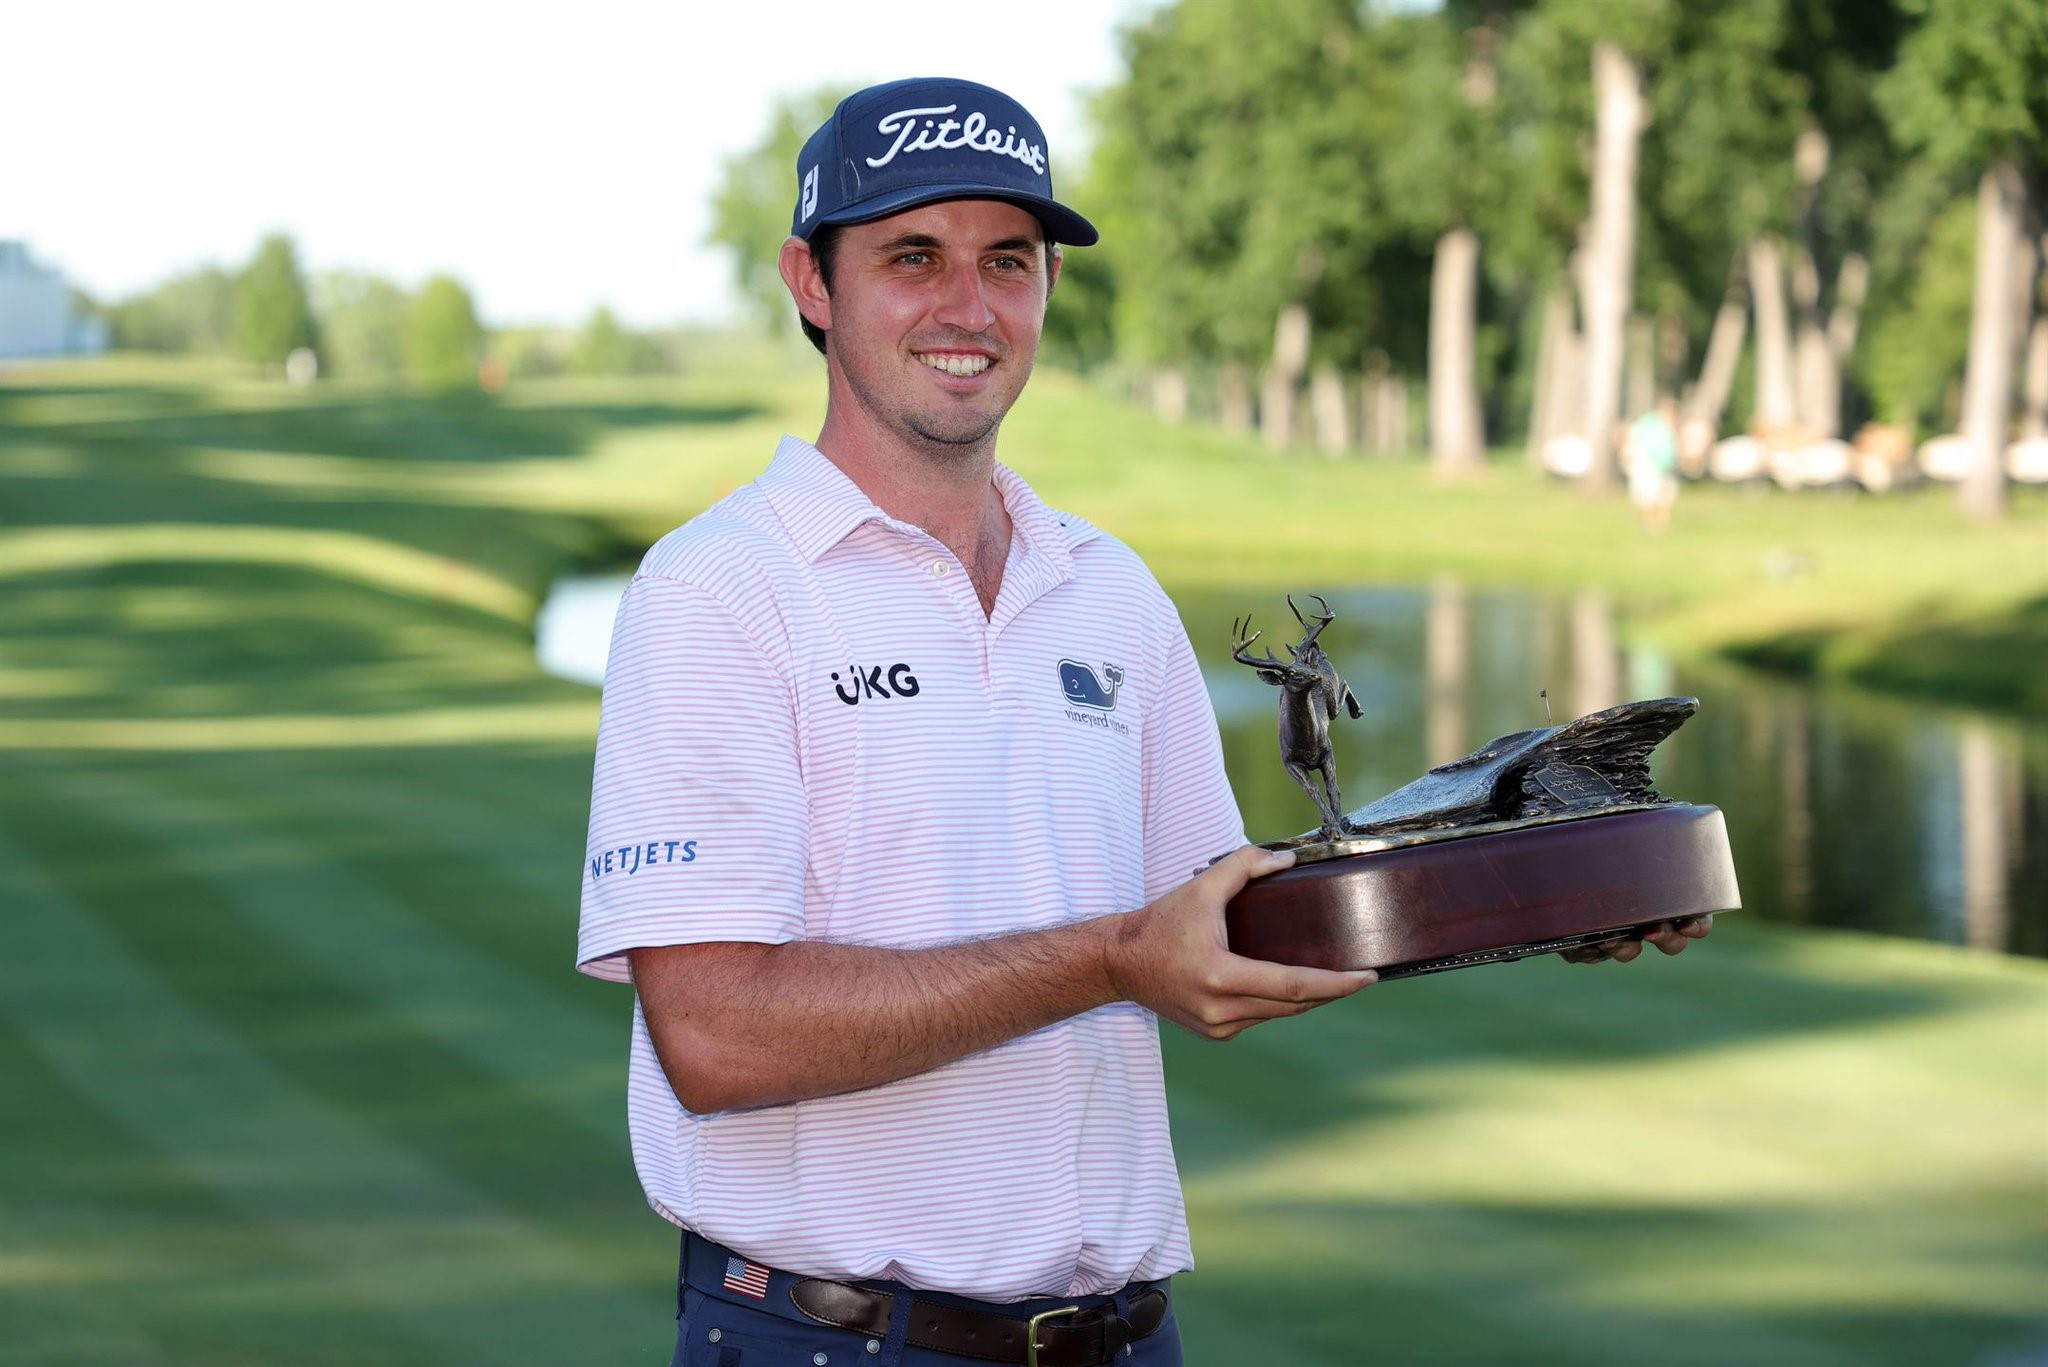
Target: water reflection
1844	809
1447	647
1990	808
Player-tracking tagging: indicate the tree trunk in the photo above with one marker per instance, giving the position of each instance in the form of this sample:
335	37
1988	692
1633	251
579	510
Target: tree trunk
1774	411
1233	398
1557	374
1170	394
1724	348
1639	370
1384	407
1816	385
1988	377
1283	377
1395	406
1672	354
1370	399
1456	441
2034	411
1847	315
1610	247
1332	416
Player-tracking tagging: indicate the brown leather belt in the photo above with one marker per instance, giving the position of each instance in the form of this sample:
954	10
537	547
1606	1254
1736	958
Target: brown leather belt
1068	1337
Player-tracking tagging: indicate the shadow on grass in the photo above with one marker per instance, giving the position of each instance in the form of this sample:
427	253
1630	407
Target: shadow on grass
386	426
1997	661
1490	1283
1353	1061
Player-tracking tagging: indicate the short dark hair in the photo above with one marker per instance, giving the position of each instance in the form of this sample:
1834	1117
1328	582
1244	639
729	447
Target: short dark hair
824	243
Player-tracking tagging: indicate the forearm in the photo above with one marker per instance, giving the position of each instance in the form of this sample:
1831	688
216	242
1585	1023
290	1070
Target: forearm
738	1026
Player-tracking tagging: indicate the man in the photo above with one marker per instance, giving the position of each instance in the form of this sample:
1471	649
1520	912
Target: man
901	785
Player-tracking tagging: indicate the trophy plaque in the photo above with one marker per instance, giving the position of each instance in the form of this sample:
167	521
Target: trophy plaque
1538	841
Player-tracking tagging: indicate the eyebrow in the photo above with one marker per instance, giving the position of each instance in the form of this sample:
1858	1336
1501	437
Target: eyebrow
925	241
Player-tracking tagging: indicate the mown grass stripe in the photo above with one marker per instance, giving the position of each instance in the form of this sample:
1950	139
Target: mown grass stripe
408	1243
312	906
332	1038
344	554
501	881
1793	1174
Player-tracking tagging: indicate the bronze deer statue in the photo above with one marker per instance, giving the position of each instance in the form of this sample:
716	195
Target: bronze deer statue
1311	693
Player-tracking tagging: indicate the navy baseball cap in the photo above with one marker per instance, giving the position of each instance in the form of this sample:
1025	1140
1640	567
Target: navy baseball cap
892	147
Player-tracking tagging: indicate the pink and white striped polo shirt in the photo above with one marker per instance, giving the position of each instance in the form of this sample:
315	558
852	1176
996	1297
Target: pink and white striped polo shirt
811	731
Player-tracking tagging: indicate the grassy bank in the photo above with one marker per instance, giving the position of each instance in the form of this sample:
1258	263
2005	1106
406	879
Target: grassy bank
296	1068
1899	593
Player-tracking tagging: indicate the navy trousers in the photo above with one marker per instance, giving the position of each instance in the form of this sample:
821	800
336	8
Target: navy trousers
718	1327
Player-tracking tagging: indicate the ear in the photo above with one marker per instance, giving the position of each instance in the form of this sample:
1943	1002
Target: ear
1052	266
806	283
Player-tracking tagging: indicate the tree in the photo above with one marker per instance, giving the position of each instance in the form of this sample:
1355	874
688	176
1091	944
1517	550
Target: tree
190	312
755	199
1970	91
1233	181
443	340
1443	185
362	322
606	348
273	316
1917	347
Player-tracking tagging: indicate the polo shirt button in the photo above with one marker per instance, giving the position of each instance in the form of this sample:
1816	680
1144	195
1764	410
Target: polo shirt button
939	568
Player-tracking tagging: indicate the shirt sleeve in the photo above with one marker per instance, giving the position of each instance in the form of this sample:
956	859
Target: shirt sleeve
697	806
1191	816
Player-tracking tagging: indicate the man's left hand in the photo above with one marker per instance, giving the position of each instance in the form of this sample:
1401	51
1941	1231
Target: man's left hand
1669	936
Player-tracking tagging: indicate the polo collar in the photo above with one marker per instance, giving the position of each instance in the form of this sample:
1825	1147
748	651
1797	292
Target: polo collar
820	507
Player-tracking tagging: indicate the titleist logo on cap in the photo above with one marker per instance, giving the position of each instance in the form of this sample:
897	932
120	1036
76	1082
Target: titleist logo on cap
974	133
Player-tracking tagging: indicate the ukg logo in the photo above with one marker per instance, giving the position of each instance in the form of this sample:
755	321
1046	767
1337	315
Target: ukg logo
883	681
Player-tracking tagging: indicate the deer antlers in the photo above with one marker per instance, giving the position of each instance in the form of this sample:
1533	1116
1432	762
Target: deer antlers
1323	619
1240	650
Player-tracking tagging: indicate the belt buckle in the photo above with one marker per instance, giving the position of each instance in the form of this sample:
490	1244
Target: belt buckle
1031	1344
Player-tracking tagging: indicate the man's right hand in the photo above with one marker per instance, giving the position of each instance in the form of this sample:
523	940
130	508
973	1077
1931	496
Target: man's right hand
1172	957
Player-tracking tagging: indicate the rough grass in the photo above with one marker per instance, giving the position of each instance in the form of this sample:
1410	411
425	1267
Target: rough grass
295	1067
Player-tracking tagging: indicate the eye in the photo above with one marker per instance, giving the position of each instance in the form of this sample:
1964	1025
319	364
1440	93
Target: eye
1009	263
912	258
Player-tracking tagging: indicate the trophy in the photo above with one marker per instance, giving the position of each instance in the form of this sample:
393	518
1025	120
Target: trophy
1538	841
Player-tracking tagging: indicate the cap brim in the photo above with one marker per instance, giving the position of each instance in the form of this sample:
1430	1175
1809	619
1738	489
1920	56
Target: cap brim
1061	223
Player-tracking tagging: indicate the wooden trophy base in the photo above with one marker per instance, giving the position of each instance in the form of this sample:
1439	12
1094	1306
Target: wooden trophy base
1437	904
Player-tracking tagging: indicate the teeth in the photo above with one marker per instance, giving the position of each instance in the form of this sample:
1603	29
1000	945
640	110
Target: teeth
955	365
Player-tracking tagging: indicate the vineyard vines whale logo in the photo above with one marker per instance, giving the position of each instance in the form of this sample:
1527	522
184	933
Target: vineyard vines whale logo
974	133
1083	689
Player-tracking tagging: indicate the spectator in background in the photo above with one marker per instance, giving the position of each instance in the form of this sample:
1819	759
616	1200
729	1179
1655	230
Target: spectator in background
1650	456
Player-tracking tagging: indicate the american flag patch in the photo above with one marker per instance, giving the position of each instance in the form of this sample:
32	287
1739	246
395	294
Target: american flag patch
743	1278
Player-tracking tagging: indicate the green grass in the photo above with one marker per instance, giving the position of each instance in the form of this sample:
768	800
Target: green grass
294	1066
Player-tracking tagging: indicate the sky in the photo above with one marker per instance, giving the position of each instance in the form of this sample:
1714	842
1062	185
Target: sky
553	158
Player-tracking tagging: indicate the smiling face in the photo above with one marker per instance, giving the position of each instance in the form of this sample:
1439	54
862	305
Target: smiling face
932	320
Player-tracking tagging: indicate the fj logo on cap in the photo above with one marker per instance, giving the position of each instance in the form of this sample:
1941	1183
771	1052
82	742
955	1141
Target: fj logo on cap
944	135
810	198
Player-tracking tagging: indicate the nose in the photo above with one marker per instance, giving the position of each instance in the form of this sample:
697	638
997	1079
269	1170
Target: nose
962	301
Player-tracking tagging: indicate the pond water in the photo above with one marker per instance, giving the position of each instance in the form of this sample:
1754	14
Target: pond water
1844	808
